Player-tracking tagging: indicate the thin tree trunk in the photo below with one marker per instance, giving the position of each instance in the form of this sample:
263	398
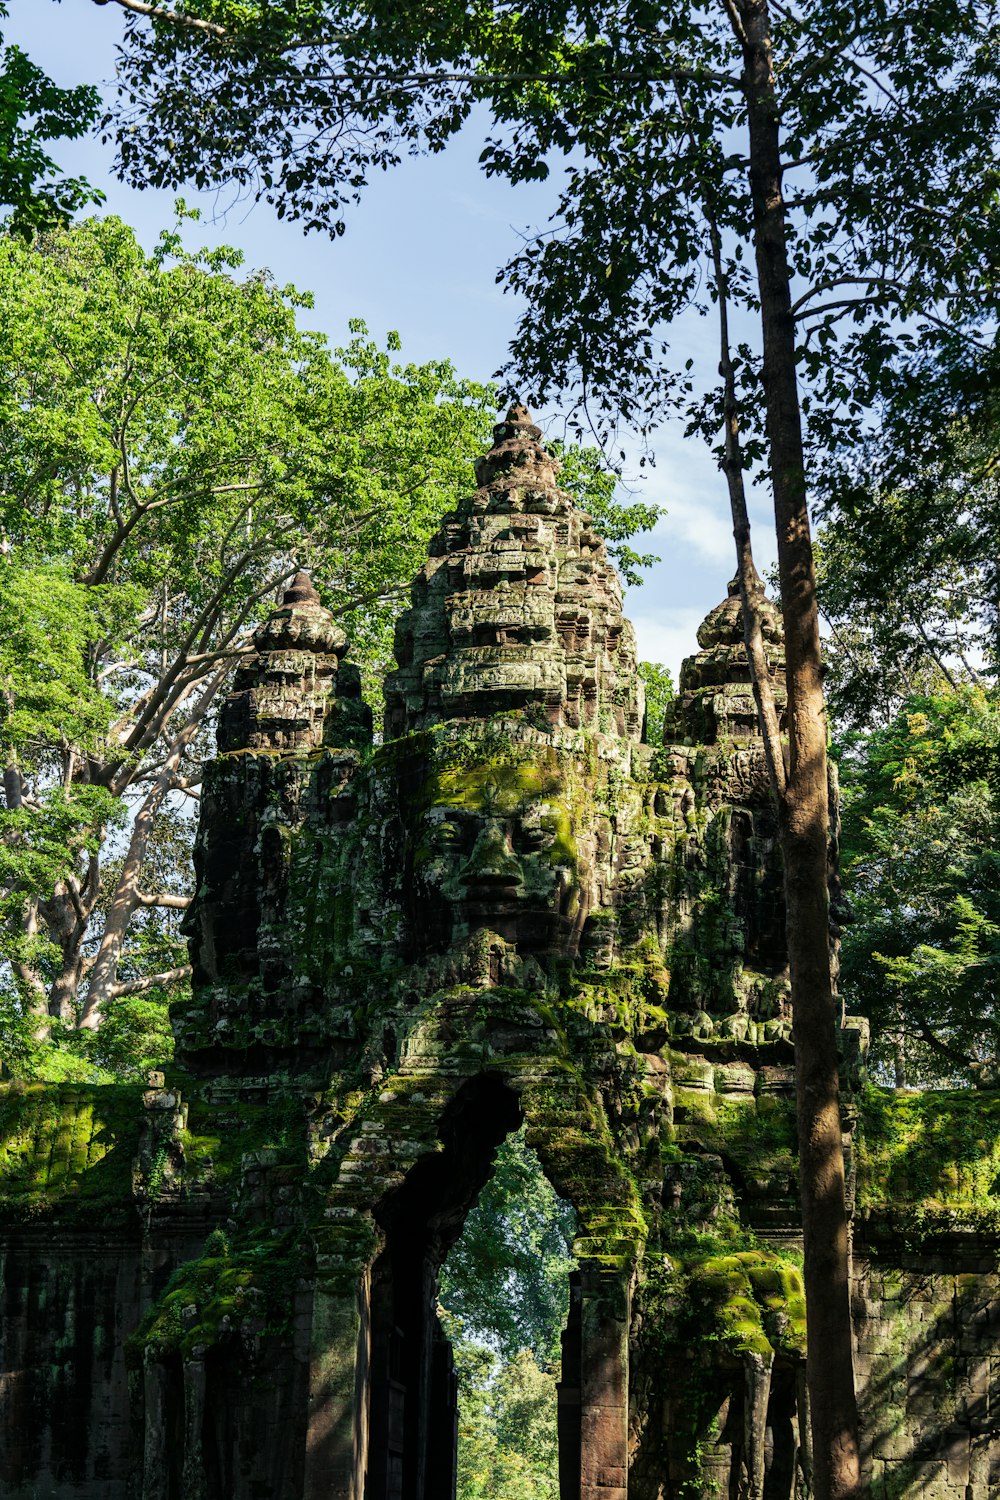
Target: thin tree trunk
899	1059
751	588
805	825
32	985
12	788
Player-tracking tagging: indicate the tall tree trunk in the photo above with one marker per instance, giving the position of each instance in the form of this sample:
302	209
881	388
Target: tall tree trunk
123	904
751	588
103	980
805	824
67	914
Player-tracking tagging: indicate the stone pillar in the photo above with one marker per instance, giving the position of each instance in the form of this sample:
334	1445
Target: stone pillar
568	1393
193	1474
442	1435
337	1426
756	1394
604	1327
156	1438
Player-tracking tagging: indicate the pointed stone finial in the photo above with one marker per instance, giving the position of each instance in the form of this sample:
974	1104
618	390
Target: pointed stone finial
519	416
517	454
301	590
295	693
518	609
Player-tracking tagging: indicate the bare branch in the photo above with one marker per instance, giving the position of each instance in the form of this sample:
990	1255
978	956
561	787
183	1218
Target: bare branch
157	13
163	980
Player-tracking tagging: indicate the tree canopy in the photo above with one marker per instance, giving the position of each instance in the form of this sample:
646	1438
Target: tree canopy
921	850
888	124
506	1277
908	571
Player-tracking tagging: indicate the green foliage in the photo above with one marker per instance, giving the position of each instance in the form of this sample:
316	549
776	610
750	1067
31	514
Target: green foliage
659	685
188	401
908	563
586	476
33	112
506	1278
210	1299
505	1291
753	1301
52	623
931	1158
507	1441
68	1150
649	110
133	1038
921	835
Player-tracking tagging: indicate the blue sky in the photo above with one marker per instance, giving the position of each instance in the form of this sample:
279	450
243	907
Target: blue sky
420	256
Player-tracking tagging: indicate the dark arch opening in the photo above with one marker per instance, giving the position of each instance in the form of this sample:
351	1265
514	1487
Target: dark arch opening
412	1407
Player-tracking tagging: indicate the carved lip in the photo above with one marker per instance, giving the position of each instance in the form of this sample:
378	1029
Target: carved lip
487	887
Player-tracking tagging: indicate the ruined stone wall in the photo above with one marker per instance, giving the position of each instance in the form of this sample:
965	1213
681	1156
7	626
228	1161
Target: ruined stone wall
928	1371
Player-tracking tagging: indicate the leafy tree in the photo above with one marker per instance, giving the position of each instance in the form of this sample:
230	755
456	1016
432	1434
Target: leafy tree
506	1279
908	571
505	1293
587	477
34	111
659	685
507	1438
921	844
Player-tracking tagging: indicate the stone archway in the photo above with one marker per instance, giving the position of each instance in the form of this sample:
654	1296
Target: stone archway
411	1396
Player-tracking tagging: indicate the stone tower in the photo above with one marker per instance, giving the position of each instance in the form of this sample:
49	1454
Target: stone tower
512	910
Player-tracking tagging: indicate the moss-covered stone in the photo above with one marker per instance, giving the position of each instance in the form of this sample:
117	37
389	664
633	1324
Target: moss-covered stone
67	1151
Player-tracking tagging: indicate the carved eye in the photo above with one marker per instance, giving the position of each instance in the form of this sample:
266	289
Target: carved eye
532	836
447	836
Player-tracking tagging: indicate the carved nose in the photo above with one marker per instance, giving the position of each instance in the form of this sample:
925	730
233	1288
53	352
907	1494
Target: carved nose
491	862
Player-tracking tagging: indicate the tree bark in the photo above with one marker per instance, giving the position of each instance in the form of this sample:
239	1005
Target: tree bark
28	977
805	824
152	981
123	904
103	984
67	914
751	588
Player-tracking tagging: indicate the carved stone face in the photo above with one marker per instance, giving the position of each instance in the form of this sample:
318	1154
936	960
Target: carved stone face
494	848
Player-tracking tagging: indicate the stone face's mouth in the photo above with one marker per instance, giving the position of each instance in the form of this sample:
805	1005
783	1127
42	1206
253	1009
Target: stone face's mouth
486	893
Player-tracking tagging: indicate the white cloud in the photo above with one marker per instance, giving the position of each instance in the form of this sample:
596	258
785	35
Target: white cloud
668	637
696	523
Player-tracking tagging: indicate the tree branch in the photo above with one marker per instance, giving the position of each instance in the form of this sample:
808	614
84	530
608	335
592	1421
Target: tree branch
157	13
163	980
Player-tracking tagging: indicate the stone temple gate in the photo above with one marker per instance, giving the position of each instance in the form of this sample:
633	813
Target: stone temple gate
512	909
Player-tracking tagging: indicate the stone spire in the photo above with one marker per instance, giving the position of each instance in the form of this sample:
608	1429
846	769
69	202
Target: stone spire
518	609
715	697
295	693
517	452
